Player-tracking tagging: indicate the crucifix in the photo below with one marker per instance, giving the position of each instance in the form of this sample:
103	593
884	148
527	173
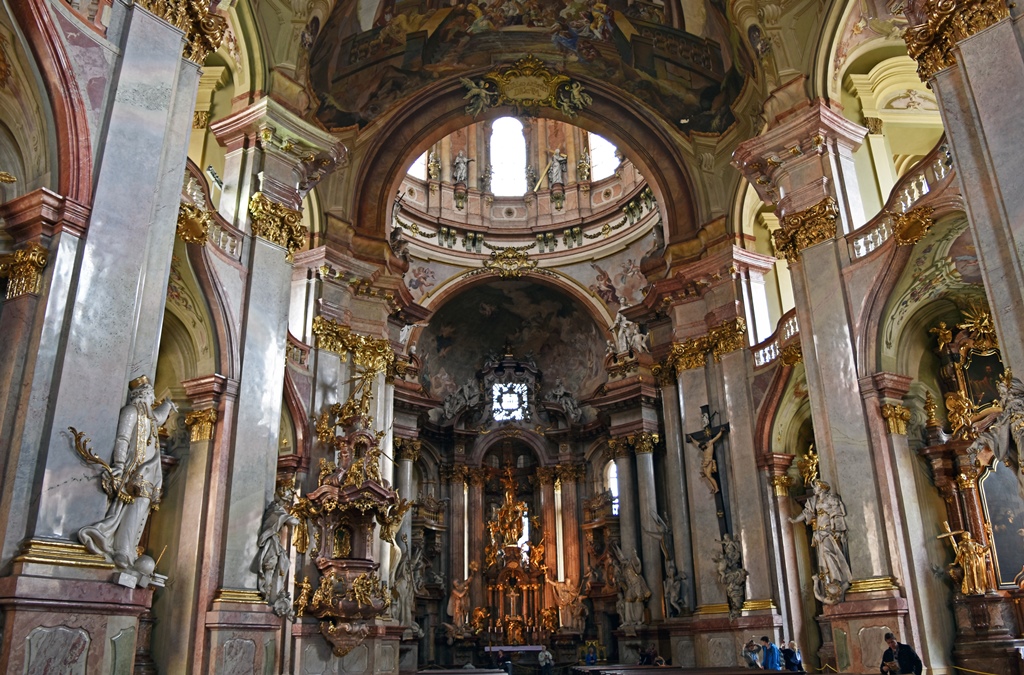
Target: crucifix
706	441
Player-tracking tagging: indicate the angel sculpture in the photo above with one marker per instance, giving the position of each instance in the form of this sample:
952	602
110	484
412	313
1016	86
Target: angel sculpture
476	93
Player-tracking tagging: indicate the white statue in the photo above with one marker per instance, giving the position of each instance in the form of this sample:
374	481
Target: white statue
825	511
572	611
569	404
633	590
558	168
458	601
628	336
460	168
729	565
272	572
1005	435
403	593
133	481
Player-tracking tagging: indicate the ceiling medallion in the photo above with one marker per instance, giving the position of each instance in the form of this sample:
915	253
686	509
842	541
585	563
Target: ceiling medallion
526	85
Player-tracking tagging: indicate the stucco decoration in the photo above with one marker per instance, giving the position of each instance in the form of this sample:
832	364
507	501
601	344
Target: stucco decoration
371	54
536	321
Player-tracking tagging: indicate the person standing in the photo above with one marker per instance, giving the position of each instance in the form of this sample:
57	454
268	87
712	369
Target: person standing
749	654
899	658
546	661
772	657
791	659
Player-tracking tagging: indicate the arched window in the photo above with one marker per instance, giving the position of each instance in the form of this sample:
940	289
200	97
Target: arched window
508	158
419	167
603	160
611	483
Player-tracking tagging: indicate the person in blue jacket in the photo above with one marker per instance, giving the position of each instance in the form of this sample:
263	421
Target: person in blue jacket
771	659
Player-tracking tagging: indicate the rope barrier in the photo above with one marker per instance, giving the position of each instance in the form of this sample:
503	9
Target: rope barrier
968	670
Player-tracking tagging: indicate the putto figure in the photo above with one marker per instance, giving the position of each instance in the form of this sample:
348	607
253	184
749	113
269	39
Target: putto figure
133	480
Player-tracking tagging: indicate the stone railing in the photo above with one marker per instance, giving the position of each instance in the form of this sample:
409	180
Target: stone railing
929	174
767	352
225	238
296	351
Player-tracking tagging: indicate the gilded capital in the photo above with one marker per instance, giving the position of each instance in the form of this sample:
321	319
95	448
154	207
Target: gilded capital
896	418
545	475
933	43
968	479
478	476
690	354
277	223
643	443
23	269
728	336
408	449
200	424
374	355
781	484
455	473
569	472
806	228
203	31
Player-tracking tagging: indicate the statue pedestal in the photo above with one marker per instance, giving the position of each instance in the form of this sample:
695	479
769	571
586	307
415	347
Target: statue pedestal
857	627
69	615
378	653
986	625
710	638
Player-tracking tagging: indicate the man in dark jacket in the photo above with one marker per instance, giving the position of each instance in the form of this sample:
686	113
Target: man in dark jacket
899	658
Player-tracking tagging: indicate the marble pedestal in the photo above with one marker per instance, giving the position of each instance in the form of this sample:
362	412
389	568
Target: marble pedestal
715	640
852	632
986	626
69	620
242	638
408	656
378	654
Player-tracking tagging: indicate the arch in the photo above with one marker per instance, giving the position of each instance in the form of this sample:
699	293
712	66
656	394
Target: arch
70	125
531	439
439	110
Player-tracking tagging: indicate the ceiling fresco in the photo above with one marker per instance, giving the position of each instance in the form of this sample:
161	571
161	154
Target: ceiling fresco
537	321
372	53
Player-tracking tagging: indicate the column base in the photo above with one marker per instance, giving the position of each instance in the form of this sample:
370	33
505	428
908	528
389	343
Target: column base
380	652
986	625
72	618
242	634
852	632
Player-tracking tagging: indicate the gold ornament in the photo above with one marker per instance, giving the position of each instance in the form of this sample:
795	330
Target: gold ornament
23	269
277	223
896	418
947	22
203	31
806	228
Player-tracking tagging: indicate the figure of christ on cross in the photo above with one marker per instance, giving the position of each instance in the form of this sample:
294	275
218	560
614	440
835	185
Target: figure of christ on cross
706	440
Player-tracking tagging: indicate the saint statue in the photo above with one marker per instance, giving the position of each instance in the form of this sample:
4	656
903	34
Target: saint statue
633	590
826	513
1005	435
971	556
273	566
558	168
460	168
132	481
458	600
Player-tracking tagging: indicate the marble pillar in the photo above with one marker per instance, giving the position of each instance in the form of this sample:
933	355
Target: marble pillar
675	486
457	477
477	481
977	90
545	482
569	477
783	560
627	497
647	504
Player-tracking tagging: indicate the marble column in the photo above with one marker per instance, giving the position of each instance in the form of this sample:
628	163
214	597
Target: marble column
569	476
457	477
407	452
647	502
627	496
545	483
977	74
477	481
675	484
782	551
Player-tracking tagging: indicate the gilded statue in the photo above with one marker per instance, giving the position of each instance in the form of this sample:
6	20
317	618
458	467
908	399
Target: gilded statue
133	480
808	466
972	557
303	600
826	513
458	599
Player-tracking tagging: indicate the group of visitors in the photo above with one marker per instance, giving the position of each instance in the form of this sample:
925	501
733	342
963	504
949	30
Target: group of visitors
769	656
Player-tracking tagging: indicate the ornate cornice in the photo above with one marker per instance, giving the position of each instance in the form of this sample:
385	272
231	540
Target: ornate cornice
896	418
932	43
23	269
201	423
806	228
203	31
277	223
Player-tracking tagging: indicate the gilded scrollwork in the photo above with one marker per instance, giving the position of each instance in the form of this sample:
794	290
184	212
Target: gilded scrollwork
193	224
23	269
909	227
277	223
806	228
781	484
203	31
371	356
932	44
526	85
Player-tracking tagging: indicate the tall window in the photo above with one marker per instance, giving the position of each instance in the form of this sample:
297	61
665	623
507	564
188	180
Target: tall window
611	482
603	160
508	158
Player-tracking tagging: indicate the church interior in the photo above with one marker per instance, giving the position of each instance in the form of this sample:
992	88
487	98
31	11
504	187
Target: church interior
374	336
